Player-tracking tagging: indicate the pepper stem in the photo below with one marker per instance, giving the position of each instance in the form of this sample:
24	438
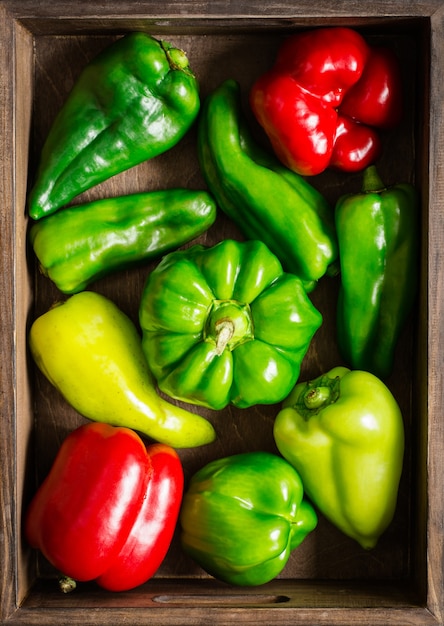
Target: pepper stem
177	58
67	584
317	397
224	332
372	182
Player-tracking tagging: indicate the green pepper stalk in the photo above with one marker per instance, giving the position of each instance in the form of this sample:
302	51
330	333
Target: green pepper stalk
378	240
343	432
266	201
83	243
134	101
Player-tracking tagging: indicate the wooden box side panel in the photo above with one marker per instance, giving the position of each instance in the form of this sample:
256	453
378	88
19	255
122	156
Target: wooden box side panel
7	323
435	324
16	65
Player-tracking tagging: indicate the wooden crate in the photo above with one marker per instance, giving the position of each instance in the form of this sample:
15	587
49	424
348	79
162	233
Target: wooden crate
329	579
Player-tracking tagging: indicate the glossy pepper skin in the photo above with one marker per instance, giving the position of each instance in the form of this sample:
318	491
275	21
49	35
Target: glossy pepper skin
150	537
343	432
134	101
243	515
326	98
108	508
378	240
225	325
265	200
81	244
92	353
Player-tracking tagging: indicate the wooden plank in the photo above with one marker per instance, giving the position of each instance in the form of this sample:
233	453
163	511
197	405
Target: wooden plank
8	493
435	324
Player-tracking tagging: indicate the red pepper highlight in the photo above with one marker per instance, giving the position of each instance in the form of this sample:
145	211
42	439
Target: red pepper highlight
325	99
108	508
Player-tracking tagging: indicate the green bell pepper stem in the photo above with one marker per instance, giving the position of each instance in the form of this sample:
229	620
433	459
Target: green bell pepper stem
317	395
134	101
265	200
84	243
371	181
378	243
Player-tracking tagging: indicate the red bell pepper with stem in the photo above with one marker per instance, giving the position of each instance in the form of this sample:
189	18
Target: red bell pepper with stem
108	508
325	99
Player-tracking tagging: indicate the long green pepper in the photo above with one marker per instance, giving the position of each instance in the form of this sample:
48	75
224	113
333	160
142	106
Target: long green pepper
134	101
264	199
378	240
83	243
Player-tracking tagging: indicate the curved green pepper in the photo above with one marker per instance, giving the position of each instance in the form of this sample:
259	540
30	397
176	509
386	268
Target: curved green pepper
264	199
378	239
81	244
225	324
134	101
344	434
243	515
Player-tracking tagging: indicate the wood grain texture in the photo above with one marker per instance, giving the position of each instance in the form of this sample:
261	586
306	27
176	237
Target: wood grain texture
8	495
328	580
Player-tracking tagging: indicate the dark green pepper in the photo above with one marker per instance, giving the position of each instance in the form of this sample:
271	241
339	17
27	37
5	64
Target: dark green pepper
81	244
243	515
378	239
226	325
134	101
266	201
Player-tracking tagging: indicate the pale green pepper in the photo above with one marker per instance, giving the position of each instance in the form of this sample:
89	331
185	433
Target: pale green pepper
344	433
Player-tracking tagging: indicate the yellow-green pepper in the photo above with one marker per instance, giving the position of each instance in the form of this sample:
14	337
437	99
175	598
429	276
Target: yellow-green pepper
91	352
344	434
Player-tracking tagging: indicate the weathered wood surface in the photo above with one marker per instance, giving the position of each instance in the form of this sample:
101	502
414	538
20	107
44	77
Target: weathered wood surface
40	58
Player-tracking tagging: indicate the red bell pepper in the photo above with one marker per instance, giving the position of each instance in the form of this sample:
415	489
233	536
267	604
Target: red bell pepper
108	508
325	98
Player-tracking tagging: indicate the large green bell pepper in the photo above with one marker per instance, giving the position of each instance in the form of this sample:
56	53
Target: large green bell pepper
134	101
83	243
225	324
344	434
243	515
378	239
266	200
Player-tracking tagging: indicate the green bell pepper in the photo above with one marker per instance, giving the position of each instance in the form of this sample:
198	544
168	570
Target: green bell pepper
133	102
243	515
343	432
265	200
81	244
225	324
378	240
